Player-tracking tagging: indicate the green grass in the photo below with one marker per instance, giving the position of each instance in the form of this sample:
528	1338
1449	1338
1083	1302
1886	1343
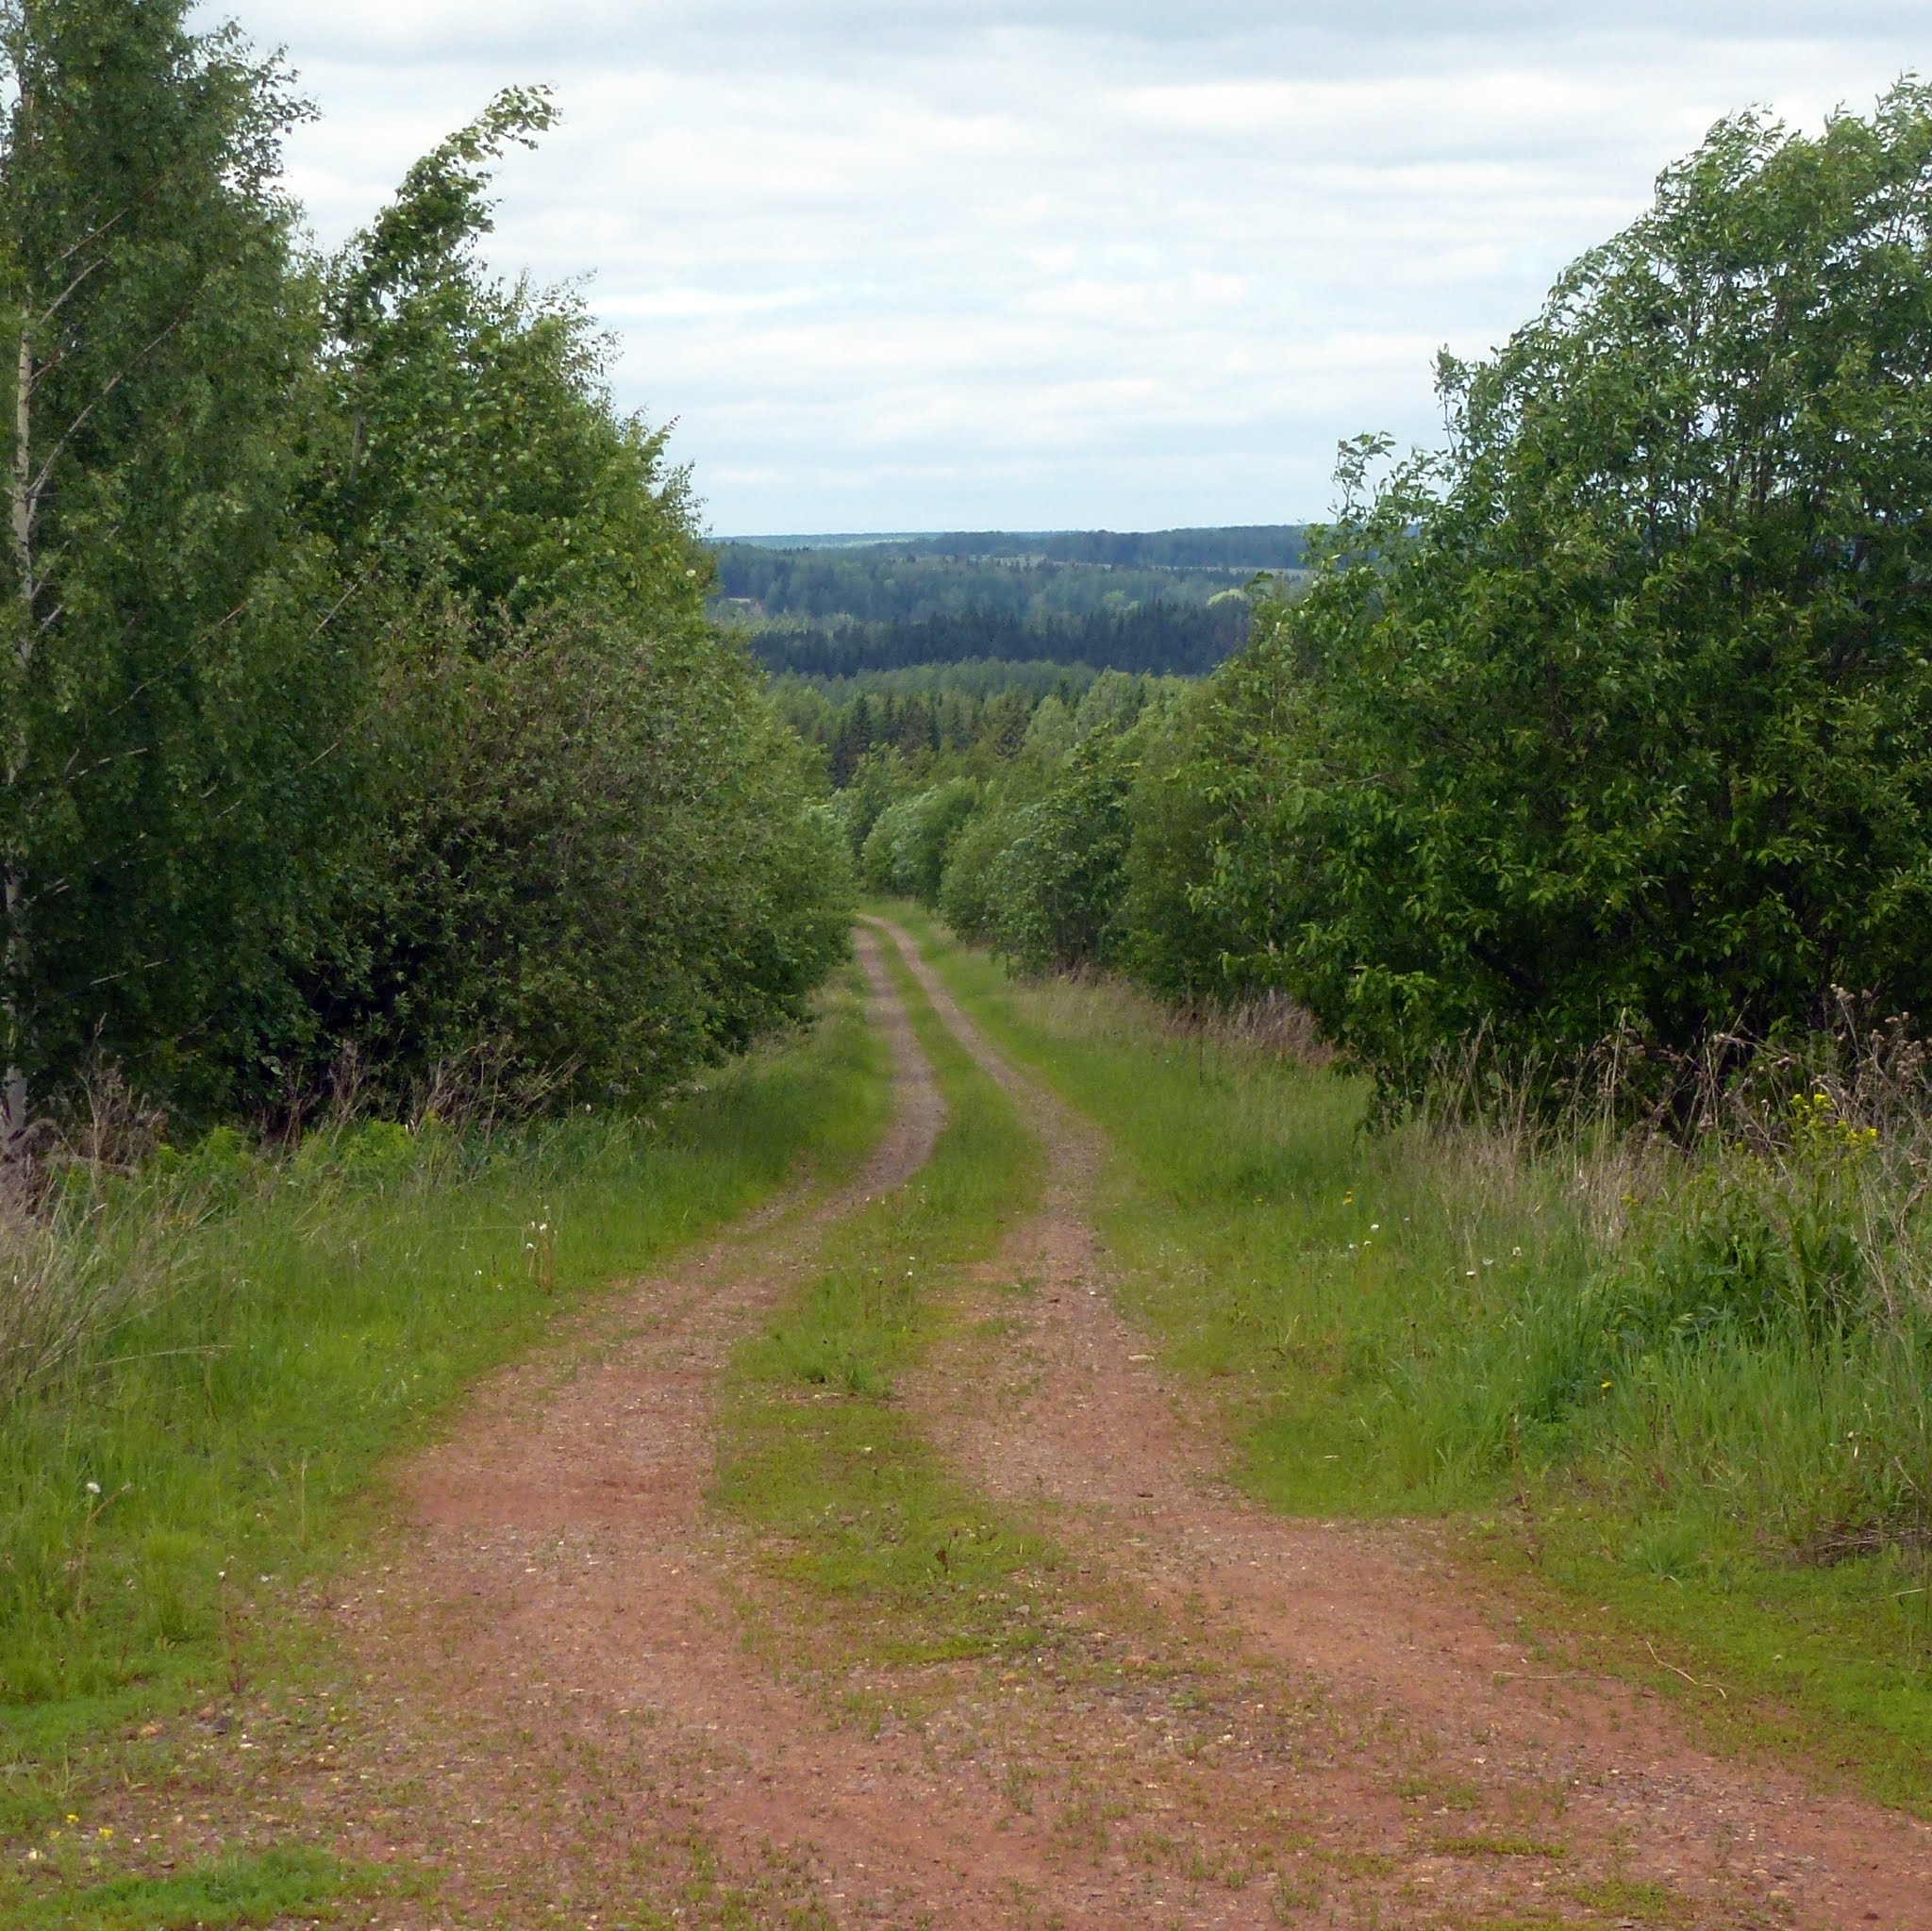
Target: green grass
265	1890
1412	1321
164	1514
852	1504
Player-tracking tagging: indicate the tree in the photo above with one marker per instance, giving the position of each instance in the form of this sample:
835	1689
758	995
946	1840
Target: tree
1619	710
169	681
593	851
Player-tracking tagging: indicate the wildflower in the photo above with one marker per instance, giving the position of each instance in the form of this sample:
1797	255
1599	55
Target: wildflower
1375	1226
94	1488
1608	1386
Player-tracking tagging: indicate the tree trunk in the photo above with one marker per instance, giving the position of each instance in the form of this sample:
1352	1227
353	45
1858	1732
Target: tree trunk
14	1097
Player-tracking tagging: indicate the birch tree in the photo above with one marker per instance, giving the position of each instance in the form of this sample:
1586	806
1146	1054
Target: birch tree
164	680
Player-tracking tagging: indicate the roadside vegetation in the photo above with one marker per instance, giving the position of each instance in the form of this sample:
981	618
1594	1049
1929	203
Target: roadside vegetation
1565	831
363	736
1613	1361
391	851
176	1493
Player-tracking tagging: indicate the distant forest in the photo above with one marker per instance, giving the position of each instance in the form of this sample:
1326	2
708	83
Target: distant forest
1164	601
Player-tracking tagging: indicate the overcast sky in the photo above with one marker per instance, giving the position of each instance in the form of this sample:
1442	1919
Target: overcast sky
1099	263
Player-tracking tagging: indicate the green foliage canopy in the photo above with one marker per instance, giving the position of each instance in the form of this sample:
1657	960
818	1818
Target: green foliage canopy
1617	710
169	679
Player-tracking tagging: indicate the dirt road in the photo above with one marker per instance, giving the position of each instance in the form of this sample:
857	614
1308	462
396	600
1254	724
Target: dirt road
593	1707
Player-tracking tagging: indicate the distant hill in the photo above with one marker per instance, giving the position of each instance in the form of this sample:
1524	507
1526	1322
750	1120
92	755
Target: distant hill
1231	546
1168	601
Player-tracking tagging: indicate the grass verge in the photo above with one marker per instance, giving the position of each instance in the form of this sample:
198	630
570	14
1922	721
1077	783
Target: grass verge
1366	1301
169	1515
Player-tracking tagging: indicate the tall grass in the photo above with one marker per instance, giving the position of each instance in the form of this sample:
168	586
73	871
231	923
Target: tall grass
1687	1371
249	1336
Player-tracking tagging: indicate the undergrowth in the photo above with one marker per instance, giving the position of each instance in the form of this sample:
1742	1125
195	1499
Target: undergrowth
1685	1387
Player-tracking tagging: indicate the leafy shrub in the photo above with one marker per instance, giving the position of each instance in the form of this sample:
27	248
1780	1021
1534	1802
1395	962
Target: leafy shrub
906	852
965	898
1054	892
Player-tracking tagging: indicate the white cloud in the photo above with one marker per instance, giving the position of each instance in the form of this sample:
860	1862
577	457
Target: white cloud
1103	262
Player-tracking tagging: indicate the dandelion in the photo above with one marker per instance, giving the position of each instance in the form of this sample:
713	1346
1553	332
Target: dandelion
1608	1386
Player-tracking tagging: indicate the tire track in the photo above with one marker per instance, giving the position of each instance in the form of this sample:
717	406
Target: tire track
1069	1412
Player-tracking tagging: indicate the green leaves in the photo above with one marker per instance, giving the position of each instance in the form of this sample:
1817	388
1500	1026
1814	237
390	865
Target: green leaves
1617	712
357	705
172	674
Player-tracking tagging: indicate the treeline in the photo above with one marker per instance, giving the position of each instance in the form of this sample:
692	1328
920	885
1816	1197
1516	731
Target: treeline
361	714
1159	638
909	728
1240	548
1613	720
897	586
1130	603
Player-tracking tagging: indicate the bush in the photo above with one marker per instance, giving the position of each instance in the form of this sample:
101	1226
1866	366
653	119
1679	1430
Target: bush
1053	893
905	853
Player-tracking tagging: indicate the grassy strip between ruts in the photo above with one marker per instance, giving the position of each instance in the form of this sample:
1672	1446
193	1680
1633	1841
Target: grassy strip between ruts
1274	1245
853	1504
170	1517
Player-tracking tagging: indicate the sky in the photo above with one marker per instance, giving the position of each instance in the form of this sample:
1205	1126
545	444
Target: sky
1070	264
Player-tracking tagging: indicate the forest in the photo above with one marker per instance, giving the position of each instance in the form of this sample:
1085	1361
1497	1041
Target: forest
648	1184
1165	602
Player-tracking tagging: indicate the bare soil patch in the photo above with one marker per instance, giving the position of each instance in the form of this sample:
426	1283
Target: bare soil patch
583	1698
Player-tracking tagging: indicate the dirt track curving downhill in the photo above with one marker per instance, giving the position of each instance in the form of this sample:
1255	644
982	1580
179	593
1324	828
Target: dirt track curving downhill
1237	1719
